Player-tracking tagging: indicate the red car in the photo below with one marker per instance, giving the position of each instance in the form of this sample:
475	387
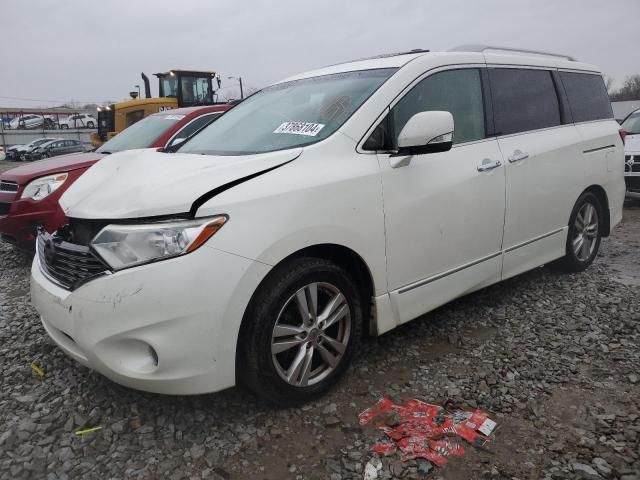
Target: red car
29	194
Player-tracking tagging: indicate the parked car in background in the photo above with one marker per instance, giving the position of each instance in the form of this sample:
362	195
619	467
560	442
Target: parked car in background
631	126
32	121
55	148
20	152
80	120
29	194
345	200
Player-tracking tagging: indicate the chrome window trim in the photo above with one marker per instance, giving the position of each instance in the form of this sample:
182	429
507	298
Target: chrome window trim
587	72
527	132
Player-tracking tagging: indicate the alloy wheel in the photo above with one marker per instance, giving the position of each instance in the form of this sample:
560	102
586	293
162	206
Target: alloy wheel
311	334
585	232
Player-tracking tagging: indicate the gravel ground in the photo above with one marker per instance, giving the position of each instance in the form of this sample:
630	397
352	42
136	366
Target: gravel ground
553	357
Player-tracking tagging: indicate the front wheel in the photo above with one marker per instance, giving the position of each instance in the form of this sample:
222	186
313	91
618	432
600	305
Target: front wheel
300	331
585	233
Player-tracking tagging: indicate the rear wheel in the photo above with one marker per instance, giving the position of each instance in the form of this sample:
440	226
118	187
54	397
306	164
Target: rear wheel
583	239
300	331
89	124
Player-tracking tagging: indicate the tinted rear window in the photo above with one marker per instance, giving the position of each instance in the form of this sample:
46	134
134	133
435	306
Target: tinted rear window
587	94
523	100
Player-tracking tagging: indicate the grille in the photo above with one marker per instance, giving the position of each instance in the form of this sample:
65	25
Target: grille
68	264
6	186
633	184
632	166
4	208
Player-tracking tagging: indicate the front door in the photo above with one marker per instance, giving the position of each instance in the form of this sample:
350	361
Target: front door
444	212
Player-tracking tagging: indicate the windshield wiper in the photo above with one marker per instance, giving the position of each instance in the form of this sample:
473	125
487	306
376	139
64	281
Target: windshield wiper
105	152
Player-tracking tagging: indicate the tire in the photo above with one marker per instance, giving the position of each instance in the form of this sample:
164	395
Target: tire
23	157
64	126
265	355
89	124
583	241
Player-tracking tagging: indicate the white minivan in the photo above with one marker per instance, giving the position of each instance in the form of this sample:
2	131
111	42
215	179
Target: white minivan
335	204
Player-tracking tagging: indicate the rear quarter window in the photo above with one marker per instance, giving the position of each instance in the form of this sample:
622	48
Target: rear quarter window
523	100
587	95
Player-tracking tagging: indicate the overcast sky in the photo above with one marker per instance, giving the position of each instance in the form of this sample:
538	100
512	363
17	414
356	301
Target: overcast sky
60	50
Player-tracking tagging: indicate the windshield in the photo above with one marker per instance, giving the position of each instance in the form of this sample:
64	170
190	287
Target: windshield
39	142
288	115
632	124
141	134
169	86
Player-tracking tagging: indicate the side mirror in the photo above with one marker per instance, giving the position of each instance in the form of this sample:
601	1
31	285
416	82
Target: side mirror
425	132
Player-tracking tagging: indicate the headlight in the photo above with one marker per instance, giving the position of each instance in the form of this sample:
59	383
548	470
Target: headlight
44	186
122	246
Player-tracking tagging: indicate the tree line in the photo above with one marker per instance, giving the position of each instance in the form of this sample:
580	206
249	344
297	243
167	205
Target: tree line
630	89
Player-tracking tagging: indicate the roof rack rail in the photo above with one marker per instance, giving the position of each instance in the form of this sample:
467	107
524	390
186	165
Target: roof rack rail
482	48
394	54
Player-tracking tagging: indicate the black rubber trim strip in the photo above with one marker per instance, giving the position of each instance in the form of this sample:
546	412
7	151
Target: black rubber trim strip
529	242
218	190
438	276
599	148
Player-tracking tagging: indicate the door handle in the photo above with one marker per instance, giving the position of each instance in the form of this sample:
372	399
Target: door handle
487	165
518	156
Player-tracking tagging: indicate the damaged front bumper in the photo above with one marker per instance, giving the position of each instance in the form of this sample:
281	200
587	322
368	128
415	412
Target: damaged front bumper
168	327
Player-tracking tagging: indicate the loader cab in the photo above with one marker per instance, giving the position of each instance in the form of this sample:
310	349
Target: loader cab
114	118
106	121
188	87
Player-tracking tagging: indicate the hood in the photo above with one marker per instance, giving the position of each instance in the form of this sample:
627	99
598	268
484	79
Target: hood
63	163
147	183
632	144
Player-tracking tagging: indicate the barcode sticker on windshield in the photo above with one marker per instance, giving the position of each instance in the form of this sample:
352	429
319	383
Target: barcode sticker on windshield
300	128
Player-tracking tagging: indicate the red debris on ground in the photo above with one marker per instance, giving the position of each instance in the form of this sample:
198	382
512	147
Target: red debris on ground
423	430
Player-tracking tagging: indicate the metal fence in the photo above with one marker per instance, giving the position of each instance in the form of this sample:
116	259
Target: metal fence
22	126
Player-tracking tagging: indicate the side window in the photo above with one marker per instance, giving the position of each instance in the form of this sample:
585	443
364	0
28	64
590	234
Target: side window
455	91
133	117
523	100
195	125
380	138
587	94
